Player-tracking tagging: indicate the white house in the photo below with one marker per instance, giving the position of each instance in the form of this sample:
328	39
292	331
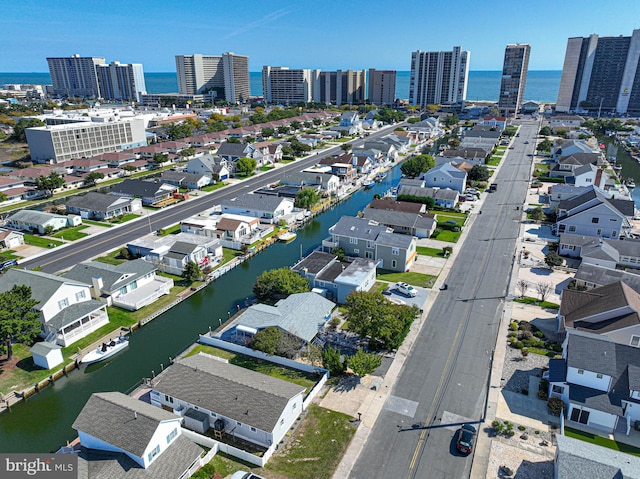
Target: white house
66	309
124	437
270	209
446	176
39	222
208	165
241	402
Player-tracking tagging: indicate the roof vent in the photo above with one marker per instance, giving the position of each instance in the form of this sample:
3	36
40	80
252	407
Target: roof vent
135	415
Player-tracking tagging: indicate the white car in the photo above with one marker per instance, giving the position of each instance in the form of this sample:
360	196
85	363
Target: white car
470	197
472	191
245	475
406	289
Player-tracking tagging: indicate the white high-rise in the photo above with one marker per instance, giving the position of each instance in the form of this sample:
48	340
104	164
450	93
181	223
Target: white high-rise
75	76
122	82
227	75
439	77
514	78
282	85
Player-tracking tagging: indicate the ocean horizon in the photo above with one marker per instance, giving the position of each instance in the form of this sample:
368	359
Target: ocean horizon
483	85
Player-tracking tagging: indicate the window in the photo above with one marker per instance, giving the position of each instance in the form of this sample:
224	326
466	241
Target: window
558	389
394	263
579	415
580	371
168	399
599	376
635	341
353	240
154	453
613	219
369	244
356	250
395	251
63	303
282	422
80	295
572	229
213	414
595	220
172	435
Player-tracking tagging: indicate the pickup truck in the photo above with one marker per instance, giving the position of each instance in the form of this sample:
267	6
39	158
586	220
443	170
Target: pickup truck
492	187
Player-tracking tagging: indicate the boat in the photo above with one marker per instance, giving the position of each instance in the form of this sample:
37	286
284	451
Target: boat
287	237
381	176
368	183
630	183
106	350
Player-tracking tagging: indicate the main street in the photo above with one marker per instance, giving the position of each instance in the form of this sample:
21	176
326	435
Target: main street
65	257
444	379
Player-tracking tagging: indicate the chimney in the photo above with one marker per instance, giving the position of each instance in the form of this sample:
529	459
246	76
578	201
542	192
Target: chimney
97	283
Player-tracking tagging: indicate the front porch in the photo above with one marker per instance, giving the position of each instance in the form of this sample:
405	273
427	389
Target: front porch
76	321
145	294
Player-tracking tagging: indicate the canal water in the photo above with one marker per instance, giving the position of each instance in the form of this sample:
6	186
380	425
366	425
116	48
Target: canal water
43	422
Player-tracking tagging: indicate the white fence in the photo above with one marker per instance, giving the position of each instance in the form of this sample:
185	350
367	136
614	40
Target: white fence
227	449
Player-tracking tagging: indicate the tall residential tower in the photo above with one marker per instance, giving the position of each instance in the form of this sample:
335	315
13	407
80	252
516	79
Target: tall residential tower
121	82
282	85
382	86
75	76
601	74
339	87
514	78
439	77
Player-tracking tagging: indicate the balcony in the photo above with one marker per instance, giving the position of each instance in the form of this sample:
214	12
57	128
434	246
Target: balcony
145	294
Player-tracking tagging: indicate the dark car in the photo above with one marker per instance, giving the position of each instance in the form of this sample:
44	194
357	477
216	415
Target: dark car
465	438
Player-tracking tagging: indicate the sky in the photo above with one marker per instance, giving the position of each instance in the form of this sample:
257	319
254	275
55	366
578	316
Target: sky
316	34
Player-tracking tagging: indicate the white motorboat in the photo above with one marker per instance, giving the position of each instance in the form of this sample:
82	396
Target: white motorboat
106	350
287	237
368	183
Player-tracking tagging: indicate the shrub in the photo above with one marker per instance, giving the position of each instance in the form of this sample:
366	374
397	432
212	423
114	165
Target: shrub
512	334
513	326
517	345
524	352
521	428
524	391
539	334
527	334
524	326
497	426
555	406
542	394
436	232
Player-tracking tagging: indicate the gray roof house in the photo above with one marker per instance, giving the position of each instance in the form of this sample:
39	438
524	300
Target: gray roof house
602	252
241	402
269	209
233	151
302	315
150	192
193	181
576	459
208	165
67	311
591	276
364	238
446	175
123	437
419	225
599	381
130	285
336	279
101	206
445	197
33	221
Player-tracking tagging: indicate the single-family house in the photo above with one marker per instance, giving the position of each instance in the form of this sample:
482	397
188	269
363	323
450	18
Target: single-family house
557	193
578	459
593	214
232	152
239	402
374	155
209	166
130	285
363	238
388	149
32	221
122	437
444	197
446	176
415	224
269	209
565	121
589	276
10	239
66	309
469	153
180	253
601	252
152	248
563	147
566	165
597	379
181	179
350	124
336	279
150	192
401	206
304	179
498	122
100	206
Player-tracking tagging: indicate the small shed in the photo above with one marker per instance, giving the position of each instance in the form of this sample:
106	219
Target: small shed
46	355
197	421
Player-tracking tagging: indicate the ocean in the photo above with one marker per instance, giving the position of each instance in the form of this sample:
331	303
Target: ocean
542	85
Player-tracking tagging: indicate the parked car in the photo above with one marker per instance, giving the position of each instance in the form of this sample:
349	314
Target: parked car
465	437
526	142
470	197
472	191
245	475
406	289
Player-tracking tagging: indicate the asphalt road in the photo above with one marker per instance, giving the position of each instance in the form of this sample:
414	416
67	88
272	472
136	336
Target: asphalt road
65	257
444	379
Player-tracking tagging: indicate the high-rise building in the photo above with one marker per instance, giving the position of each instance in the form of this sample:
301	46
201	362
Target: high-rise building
601	74
121	82
282	85
439	77
514	78
339	87
382	86
227	75
75	76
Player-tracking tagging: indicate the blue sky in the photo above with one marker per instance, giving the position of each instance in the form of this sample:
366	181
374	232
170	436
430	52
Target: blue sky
327	34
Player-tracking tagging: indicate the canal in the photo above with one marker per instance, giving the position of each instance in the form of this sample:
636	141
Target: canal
43	422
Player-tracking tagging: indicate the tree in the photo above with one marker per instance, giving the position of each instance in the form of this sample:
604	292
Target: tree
363	363
413	167
283	130
543	290
176	131
298	148
129	169
545	131
523	286
331	360
279	283
451	120
160	158
296	125
307	198
372	315
19	321
339	253
187	152
388	115
245	166
537	214
275	341
346	147
267	132
454	142
92	178
544	146
49	183
479	173
313	354
22	124
191	272
553	259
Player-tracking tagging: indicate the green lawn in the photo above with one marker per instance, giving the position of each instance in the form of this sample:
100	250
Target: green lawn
542	304
40	241
449	236
227	255
270	369
72	234
601	441
450	215
96	223
266	168
416	279
25	374
494	161
316	447
111	258
8	255
377	287
426	251
125	218
171	230
215	186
